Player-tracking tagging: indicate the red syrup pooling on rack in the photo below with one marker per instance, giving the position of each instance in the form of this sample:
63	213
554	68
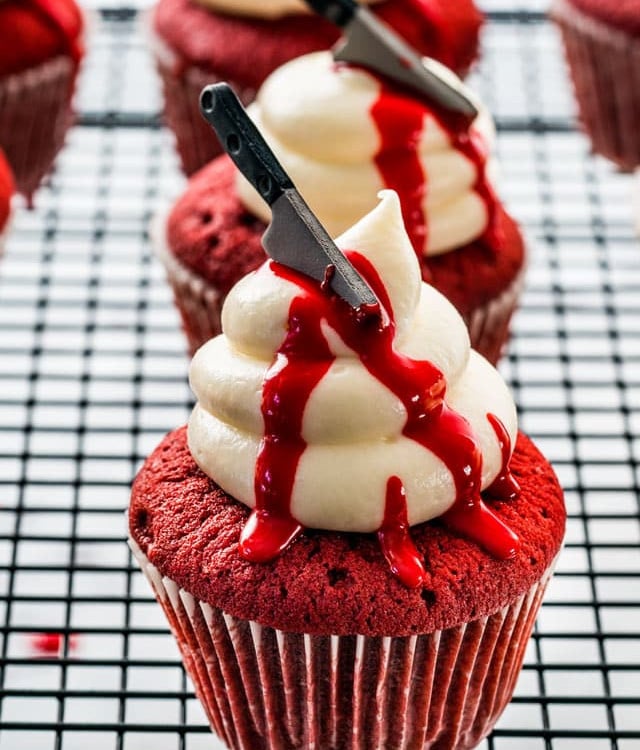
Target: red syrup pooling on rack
66	19
399	116
300	363
52	644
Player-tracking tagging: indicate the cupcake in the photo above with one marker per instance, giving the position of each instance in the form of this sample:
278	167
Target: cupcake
192	47
6	194
40	51
343	134
317	536
601	40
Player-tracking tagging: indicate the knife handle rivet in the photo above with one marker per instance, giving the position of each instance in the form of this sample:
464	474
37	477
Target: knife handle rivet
233	143
208	100
264	184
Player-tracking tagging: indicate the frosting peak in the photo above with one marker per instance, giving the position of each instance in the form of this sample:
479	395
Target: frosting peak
317	420
335	125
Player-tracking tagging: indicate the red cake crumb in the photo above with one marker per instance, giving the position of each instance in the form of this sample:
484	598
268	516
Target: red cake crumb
35	31
211	233
621	14
332	583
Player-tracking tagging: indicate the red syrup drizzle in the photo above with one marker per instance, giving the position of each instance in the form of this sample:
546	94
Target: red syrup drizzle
399	120
399	116
300	363
395	541
67	20
505	486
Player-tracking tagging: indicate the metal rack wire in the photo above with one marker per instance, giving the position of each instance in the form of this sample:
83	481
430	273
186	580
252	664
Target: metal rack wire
93	373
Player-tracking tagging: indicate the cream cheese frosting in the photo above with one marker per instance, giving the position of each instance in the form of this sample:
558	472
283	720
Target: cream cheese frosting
269	9
317	117
352	424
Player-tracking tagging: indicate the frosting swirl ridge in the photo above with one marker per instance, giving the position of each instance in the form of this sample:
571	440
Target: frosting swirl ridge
331	124
353	435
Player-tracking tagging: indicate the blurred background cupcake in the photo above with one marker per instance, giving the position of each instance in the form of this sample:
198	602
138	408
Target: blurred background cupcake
343	135
602	45
198	42
40	52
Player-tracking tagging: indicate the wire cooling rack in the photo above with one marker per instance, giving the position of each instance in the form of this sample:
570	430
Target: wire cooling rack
93	373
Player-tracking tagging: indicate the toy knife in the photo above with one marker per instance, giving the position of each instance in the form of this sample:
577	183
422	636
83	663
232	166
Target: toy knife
373	44
295	237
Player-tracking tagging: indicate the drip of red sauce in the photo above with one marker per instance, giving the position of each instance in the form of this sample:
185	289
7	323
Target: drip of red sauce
52	644
505	486
395	541
399	120
399	116
300	363
67	19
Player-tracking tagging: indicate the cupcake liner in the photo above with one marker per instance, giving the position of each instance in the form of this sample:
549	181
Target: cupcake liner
605	68
264	689
196	142
35	114
199	304
489	325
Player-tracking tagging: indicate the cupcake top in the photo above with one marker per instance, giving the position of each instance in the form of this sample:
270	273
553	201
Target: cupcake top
263	8
278	30
7	189
34	31
621	14
318	420
333	124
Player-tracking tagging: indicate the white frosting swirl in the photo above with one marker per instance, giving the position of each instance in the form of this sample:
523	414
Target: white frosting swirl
317	118
352	424
262	8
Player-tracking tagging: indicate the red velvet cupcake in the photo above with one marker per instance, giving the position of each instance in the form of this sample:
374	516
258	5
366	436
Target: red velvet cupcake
373	598
198	42
342	135
602	45
6	194
40	51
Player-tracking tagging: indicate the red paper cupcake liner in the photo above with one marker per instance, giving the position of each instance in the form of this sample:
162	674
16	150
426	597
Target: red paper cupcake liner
264	689
605	69
200	305
196	142
35	114
489	325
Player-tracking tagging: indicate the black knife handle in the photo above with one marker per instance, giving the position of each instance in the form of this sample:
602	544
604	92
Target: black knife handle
242	141
339	12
